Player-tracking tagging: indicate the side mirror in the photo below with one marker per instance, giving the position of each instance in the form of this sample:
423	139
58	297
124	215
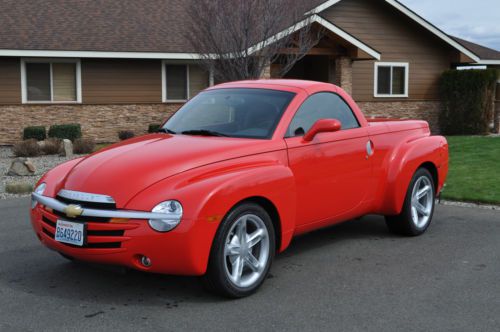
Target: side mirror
322	126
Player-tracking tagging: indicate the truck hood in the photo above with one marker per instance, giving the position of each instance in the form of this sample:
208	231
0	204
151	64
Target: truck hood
125	169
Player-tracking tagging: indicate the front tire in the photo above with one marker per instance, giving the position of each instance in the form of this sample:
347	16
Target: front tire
418	207
242	252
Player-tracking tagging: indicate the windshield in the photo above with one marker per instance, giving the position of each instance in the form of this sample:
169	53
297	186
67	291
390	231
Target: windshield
245	113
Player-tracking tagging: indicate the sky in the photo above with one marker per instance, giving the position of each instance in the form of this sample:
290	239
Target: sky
477	21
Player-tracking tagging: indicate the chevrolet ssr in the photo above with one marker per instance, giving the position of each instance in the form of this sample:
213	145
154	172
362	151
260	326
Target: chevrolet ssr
233	176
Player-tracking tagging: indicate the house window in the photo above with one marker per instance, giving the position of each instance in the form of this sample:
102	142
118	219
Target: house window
45	81
182	82
391	79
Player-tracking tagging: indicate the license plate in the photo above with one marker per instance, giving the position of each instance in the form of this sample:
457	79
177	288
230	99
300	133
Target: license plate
70	232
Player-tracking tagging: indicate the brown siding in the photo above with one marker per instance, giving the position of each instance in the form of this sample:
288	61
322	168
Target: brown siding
10	81
398	39
121	81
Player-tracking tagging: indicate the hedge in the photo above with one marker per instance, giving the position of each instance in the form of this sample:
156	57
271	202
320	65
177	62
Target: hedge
467	97
153	128
38	132
66	131
125	134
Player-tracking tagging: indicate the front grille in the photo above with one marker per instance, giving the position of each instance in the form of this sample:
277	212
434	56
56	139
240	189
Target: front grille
81	218
85	204
49	225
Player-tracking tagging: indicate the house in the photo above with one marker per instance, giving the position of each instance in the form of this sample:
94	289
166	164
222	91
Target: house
112	65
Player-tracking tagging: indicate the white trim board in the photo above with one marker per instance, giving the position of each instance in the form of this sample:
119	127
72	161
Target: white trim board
411	14
323	6
98	54
489	62
344	35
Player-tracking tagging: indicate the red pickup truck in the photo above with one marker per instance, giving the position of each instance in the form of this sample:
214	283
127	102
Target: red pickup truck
233	176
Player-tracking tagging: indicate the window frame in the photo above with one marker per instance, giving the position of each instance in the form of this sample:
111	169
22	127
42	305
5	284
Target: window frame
314	94
405	65
51	61
164	79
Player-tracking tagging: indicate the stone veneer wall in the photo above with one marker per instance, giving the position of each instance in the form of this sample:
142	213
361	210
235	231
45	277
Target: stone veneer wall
418	110
343	72
101	122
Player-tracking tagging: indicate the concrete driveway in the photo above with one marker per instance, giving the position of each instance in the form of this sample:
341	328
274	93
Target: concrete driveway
353	277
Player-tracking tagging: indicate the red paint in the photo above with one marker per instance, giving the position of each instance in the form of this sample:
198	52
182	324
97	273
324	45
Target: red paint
312	184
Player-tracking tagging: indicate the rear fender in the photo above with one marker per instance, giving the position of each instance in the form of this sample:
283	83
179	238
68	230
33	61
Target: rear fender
405	161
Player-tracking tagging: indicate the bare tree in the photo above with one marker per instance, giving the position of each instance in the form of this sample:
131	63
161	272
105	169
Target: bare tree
238	39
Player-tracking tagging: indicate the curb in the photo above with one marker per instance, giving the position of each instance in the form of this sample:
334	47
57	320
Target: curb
470	205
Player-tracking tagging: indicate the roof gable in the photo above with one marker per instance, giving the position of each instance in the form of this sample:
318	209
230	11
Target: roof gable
428	26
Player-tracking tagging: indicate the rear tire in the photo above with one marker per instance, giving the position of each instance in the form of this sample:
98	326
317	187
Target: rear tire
242	252
418	207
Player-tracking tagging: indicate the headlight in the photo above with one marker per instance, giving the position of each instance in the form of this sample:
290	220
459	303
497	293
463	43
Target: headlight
174	211
39	190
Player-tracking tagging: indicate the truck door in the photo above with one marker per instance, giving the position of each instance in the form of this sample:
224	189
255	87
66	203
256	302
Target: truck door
332	171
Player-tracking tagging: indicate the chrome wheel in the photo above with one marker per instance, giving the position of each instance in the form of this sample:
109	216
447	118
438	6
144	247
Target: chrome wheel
422	200
246	250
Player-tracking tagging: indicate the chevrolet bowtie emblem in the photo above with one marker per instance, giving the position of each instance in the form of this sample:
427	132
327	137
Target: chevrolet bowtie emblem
73	211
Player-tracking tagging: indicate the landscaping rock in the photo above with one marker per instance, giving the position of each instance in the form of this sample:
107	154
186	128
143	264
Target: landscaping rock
67	150
29	164
21	167
18	187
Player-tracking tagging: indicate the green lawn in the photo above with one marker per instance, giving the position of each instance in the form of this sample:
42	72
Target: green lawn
474	174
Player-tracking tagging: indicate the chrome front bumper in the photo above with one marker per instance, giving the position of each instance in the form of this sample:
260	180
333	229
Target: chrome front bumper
122	214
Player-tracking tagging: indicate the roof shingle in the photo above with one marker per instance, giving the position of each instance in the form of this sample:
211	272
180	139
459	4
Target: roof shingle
96	25
483	52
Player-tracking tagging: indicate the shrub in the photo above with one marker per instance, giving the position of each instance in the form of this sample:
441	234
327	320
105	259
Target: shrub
125	134
38	132
83	146
52	146
18	187
467	101
27	148
153	128
66	131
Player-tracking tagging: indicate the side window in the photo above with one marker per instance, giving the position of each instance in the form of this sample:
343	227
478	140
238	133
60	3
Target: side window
323	105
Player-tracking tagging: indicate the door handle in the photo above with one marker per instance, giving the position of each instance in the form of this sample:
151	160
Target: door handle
370	149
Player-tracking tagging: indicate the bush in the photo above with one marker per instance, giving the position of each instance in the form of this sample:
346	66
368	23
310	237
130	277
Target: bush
468	101
27	148
66	131
83	146
18	187
38	132
125	134
52	146
153	128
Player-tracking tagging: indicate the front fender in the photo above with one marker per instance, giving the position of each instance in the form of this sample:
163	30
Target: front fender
405	160
208	194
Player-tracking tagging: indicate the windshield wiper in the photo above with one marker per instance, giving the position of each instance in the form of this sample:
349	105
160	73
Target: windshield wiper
166	130
203	132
